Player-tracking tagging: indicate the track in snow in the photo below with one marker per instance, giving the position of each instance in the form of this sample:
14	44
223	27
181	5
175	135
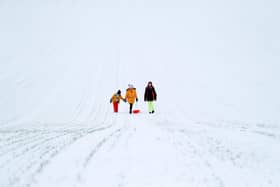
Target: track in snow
139	150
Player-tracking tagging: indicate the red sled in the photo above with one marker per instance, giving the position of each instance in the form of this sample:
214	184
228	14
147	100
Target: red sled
136	111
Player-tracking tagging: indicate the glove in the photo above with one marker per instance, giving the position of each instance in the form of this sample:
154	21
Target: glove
136	99
124	100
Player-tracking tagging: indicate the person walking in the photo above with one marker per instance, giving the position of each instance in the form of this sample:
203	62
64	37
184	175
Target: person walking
150	96
131	96
115	99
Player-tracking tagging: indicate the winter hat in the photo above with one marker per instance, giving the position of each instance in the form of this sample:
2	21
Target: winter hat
119	92
130	86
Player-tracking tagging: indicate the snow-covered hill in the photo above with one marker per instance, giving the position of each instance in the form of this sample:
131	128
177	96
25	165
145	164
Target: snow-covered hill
215	66
214	59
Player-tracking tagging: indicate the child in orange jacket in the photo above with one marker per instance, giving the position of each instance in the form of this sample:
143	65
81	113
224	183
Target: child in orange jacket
115	99
131	96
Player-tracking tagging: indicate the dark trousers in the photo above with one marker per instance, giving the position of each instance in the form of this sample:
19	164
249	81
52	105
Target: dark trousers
130	107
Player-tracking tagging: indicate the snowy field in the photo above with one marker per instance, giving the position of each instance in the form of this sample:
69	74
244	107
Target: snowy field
141	151
215	66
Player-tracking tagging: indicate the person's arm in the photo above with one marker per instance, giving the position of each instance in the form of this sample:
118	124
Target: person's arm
111	100
123	98
155	94
126	95
145	95
136	96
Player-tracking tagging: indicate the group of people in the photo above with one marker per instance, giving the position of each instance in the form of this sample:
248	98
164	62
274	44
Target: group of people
131	96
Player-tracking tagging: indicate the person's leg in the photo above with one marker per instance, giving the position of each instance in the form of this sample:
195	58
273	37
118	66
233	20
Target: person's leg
153	107
130	107
115	104
150	106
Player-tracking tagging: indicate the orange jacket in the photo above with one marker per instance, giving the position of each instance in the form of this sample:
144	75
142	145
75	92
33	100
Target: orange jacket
116	98
131	95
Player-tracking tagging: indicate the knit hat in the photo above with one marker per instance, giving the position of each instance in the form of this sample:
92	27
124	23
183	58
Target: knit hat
119	92
130	86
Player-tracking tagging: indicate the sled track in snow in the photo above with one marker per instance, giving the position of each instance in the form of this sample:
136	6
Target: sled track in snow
32	155
98	146
114	135
25	153
208	148
191	150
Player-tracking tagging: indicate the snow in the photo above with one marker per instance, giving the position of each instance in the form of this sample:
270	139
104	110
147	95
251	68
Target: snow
215	66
